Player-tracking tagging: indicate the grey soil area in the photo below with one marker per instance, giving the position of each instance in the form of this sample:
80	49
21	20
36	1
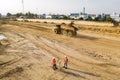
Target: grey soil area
30	48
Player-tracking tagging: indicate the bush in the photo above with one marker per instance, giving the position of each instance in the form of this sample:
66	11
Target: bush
109	19
63	23
81	18
2	22
26	20
45	22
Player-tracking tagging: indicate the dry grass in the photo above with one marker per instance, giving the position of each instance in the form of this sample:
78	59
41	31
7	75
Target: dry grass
111	31
32	46
3	22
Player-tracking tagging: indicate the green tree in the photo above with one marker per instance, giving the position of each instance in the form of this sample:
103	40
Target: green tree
80	18
18	14
89	19
96	19
9	14
65	17
108	18
29	15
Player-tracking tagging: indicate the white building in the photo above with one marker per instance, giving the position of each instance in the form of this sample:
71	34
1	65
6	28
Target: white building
49	16
78	16
84	16
116	17
54	16
93	16
42	16
74	16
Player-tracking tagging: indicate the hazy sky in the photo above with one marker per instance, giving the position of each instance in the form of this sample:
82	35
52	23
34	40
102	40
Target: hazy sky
60	6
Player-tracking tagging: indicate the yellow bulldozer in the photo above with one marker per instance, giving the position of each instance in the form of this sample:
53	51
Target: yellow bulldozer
66	29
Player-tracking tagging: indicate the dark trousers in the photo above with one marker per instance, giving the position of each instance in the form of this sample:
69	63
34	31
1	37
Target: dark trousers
54	67
65	65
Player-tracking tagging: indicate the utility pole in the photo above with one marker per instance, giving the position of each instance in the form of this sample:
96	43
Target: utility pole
84	10
22	6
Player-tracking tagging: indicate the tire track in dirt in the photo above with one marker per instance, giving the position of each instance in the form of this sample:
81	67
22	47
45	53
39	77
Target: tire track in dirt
2	65
53	51
37	27
55	55
48	50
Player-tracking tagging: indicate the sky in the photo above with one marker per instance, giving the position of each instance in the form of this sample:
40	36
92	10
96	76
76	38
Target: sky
60	6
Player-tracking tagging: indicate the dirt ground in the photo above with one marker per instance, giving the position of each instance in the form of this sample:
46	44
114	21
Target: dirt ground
31	47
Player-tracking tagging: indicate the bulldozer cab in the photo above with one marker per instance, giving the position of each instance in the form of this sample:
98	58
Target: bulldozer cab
58	25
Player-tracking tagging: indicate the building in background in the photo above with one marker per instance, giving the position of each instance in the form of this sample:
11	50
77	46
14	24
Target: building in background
41	16
51	16
74	16
83	15
115	17
48	16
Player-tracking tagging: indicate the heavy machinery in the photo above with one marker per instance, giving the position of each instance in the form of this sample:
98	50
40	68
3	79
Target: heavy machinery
66	29
115	23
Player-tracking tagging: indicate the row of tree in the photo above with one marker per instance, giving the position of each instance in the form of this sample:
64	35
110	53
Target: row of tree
17	15
107	18
32	15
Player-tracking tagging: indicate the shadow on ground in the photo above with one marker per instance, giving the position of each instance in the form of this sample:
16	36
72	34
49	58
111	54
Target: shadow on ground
76	73
86	37
73	74
88	73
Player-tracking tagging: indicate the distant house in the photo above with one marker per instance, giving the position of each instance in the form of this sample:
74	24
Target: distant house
49	16
54	16
100	17
61	16
93	16
84	16
42	16
57	16
104	16
74	16
116	17
78	16
24	17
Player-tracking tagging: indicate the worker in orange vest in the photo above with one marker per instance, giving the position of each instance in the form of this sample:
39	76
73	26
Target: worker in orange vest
54	64
65	62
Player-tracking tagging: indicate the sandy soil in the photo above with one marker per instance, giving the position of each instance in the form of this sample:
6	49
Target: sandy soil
92	23
31	47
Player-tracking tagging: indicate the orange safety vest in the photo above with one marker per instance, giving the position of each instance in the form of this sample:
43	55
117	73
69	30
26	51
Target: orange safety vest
65	59
54	61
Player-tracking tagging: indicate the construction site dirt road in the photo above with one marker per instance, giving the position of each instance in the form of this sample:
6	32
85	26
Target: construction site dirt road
30	48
